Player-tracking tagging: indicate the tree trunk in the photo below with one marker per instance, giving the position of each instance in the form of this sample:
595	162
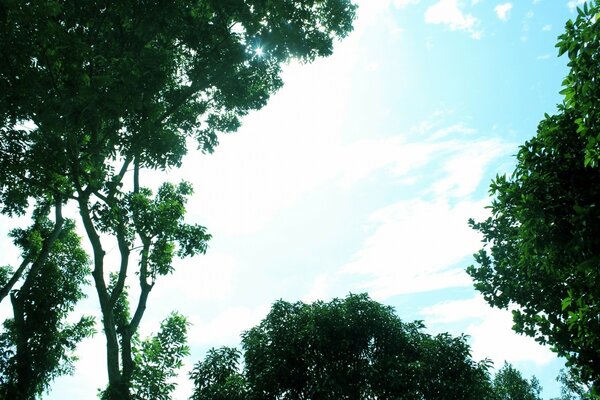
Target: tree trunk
116	390
21	388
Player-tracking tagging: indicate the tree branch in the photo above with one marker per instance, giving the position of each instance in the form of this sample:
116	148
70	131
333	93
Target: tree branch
41	257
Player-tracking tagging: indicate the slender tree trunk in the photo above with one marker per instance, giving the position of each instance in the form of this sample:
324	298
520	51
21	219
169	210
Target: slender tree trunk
20	388
116	390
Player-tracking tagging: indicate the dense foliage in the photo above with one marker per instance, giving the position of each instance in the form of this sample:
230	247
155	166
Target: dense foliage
542	243
94	92
158	359
218	377
38	343
581	42
509	384
353	348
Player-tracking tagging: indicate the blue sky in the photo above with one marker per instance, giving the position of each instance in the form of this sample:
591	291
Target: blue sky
360	175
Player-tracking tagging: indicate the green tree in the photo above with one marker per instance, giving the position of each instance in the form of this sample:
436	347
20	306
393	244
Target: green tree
158	358
353	348
218	377
37	344
509	384
542	243
95	92
581	42
571	387
447	370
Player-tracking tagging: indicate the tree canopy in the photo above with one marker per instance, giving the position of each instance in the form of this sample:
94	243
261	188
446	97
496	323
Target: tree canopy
580	42
95	92
509	384
542	242
352	348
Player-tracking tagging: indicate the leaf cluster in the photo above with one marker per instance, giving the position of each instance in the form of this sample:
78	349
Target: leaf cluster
581	90
158	358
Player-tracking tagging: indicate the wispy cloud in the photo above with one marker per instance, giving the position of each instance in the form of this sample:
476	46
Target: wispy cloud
547	27
414	248
503	11
448	12
415	245
404	3
526	25
464	168
225	328
490	330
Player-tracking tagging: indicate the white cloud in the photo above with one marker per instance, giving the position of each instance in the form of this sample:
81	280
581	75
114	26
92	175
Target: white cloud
226	327
448	12
413	245
404	3
359	159
543	57
456	311
252	188
525	25
547	27
451	130
319	289
91	373
370	13
491	331
573	4
465	169
204	278
291	155
502	11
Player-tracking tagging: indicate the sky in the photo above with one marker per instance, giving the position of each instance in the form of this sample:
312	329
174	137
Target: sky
359	176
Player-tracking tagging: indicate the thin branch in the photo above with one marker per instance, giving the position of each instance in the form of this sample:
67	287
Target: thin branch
40	258
124	250
145	290
16	276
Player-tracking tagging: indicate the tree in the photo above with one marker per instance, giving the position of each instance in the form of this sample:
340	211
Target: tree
542	243
95	92
509	384
449	372
218	377
353	348
581	44
571	387
37	345
158	358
